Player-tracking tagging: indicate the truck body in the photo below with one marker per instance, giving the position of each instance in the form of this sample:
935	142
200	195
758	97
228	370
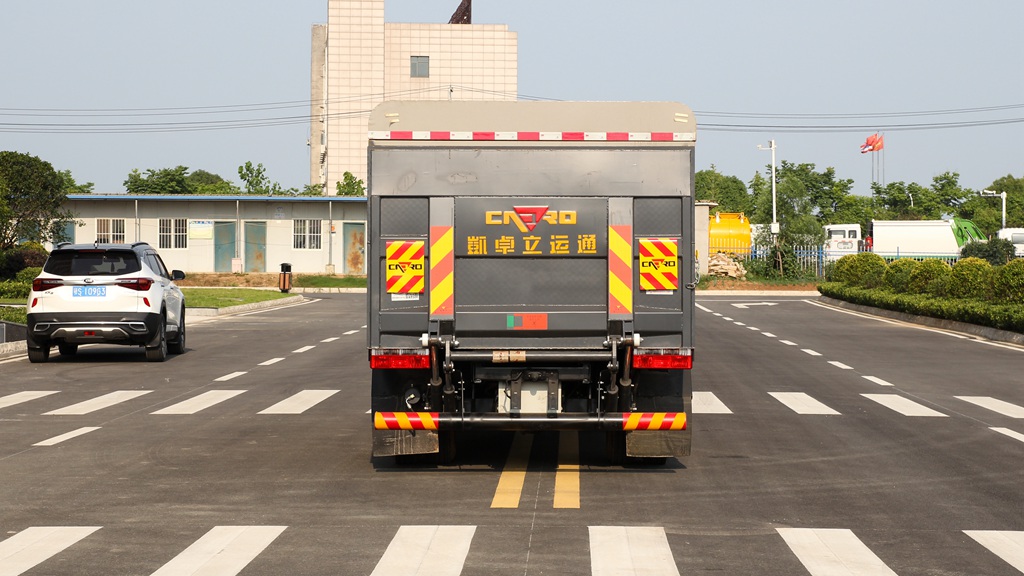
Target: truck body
923	238
842	239
531	267
1016	236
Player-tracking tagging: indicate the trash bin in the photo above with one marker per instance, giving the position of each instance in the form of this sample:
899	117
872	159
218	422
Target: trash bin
284	279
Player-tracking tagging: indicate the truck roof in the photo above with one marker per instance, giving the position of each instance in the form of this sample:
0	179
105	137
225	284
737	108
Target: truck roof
642	123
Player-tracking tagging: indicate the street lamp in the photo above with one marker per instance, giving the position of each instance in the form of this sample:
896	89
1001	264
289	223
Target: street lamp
993	194
775	221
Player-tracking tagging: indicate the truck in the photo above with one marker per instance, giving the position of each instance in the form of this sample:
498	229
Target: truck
841	240
923	238
1015	236
531	267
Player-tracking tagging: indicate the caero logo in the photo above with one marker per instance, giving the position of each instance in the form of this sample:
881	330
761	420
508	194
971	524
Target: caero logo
526	218
404	267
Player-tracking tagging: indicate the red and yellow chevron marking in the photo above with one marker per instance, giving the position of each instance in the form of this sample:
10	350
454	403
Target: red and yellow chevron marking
404	271
442	271
659	263
654	421
405	420
620	270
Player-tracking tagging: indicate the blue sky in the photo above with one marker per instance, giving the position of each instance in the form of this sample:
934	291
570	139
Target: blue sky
747	67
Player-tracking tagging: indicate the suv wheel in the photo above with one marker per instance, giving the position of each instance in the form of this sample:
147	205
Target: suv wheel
67	349
158	353
177	346
38	354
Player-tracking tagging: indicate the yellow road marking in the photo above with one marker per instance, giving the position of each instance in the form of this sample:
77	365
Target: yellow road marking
513	475
567	477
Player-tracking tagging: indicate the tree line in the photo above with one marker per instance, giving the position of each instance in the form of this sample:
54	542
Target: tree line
807	199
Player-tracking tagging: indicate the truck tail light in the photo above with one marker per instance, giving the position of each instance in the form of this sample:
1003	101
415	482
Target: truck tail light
40	284
663	358
399	359
140	284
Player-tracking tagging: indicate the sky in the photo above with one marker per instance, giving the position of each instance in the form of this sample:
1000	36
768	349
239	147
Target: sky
816	77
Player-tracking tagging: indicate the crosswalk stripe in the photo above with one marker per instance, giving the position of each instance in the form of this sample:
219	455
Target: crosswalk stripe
630	551
513	475
840	365
1011	433
19	397
33	546
833	552
98	403
299	403
903	405
708	403
811	352
201	402
426	551
231	376
1004	408
567	476
1007	545
73	434
802	403
877	380
223	551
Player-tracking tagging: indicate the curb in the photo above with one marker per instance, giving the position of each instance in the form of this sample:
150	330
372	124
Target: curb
973	329
801	293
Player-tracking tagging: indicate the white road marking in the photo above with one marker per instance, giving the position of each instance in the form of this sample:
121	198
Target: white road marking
630	551
708	403
788	343
271	361
300	402
877	380
351	332
1006	544
426	551
223	551
746	305
833	552
1011	433
227	377
903	405
303	349
326	340
74	433
98	403
201	402
33	546
754	328
739	323
840	365
699	307
726	318
1004	408
769	334
811	352
717	314
802	403
19	397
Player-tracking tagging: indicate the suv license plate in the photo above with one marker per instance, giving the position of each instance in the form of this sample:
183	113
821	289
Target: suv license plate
88	291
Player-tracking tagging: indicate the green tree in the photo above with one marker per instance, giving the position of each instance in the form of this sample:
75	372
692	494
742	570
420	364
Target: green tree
350	186
207	183
826	193
72	187
728	191
254	179
32	198
312	190
162	181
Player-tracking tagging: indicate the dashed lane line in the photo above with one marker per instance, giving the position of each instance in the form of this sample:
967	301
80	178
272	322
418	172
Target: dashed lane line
73	434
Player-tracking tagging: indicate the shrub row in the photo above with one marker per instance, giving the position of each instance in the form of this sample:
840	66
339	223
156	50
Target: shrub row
14	290
1002	316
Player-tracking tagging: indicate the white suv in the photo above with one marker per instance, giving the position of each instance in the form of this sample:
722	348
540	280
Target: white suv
106	293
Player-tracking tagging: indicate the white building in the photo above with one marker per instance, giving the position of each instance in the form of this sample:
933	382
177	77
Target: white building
316	235
360	61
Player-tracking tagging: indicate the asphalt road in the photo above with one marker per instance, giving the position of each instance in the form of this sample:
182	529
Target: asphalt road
825	443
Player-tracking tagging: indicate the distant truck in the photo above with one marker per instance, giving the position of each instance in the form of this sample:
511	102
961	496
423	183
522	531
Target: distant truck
923	238
1016	236
842	239
531	267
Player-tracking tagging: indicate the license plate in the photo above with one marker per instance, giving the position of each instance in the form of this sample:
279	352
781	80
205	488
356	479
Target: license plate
88	291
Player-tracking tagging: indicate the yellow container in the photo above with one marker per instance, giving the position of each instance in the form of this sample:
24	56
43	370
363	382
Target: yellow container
728	232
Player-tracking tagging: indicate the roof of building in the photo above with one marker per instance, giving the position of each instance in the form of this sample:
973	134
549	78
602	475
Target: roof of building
207	198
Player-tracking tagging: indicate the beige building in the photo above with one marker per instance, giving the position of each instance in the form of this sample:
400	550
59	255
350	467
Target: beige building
359	61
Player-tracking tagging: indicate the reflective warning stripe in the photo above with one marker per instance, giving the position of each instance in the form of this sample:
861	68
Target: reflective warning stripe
442	271
654	421
659	263
620	270
405	420
405	274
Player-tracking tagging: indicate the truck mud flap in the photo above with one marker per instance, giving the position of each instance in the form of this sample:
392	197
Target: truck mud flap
404	442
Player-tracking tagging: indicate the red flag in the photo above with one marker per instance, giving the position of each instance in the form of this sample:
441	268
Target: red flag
879	144
869	144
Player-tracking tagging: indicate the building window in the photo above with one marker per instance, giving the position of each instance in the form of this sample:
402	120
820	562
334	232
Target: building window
420	67
173	233
110	230
306	235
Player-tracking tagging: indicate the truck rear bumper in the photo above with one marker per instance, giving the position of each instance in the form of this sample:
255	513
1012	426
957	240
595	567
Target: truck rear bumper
612	422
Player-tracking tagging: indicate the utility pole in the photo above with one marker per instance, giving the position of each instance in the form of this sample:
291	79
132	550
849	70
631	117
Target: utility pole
993	194
775	219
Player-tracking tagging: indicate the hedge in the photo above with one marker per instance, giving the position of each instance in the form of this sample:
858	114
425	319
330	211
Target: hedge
970	278
929	277
897	274
14	290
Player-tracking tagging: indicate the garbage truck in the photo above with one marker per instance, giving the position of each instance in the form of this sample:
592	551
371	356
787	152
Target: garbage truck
531	267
